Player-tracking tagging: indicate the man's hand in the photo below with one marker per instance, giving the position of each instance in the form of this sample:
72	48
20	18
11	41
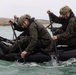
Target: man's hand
23	54
54	37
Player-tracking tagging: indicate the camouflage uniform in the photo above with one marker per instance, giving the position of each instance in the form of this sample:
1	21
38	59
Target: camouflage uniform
67	33
34	37
69	36
62	21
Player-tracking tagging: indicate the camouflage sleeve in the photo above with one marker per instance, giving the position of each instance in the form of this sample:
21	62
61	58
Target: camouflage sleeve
69	30
33	37
17	27
56	19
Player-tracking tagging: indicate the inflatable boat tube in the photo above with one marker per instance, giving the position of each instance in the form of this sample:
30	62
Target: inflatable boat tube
64	54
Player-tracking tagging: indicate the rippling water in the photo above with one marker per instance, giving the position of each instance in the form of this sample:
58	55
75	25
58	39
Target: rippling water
48	68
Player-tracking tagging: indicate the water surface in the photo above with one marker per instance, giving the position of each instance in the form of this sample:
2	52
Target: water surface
14	68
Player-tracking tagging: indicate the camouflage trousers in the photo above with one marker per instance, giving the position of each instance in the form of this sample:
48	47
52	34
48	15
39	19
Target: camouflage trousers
24	41
70	42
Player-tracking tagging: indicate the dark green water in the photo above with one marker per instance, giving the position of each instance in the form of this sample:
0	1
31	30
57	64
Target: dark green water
15	68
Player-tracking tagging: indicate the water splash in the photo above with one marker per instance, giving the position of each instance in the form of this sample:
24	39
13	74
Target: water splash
54	60
69	62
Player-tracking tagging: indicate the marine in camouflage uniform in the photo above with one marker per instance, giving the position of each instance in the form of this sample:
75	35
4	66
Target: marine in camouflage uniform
34	38
67	33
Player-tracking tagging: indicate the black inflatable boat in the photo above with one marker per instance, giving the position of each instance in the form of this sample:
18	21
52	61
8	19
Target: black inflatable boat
64	52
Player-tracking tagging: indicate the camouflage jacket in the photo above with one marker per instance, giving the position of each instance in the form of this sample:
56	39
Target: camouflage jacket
37	32
70	31
68	34
62	21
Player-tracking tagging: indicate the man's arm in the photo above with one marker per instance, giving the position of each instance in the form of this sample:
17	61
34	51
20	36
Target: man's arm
55	18
69	31
33	38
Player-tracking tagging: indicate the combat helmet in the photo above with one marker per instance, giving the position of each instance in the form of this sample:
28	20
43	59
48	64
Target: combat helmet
22	18
64	10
